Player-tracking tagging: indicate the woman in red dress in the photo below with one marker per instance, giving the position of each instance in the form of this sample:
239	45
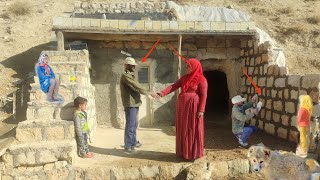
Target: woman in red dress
189	111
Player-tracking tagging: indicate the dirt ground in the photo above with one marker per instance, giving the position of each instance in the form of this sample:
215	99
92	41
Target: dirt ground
159	145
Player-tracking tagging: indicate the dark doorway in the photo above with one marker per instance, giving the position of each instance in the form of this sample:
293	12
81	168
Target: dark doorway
218	93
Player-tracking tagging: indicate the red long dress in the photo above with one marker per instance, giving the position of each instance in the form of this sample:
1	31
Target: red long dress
189	128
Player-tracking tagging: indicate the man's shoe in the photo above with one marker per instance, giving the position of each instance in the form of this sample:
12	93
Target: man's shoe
138	144
129	150
244	144
51	100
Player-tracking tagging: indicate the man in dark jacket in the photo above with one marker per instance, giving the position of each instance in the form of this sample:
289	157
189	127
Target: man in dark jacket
131	100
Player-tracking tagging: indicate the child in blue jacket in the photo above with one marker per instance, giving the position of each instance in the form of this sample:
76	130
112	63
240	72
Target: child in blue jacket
47	79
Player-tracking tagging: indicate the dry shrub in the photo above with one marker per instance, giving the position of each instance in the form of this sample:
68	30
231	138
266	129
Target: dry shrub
180	2
247	1
18	8
311	0
313	20
262	11
297	29
287	10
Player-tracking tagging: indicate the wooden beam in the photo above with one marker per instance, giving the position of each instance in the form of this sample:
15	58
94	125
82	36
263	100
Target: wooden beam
179	59
119	37
60	41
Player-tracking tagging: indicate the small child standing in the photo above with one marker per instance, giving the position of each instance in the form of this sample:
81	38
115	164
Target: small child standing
304	114
81	127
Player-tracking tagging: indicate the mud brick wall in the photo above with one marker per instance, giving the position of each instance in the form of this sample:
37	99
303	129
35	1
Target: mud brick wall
280	91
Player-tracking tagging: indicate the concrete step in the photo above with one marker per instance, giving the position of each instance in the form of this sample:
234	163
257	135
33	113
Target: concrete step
40	153
44	130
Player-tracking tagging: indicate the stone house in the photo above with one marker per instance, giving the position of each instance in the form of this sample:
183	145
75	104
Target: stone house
226	44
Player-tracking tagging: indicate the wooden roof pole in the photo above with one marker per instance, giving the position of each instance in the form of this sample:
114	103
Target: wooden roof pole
179	59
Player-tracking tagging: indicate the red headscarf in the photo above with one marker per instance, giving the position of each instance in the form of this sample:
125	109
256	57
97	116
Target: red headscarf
195	77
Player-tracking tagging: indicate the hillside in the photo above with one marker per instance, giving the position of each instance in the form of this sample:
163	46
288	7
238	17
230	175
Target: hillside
26	31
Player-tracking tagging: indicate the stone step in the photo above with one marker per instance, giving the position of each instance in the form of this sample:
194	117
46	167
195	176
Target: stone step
40	153
67	94
44	110
68	78
44	130
47	110
5	143
62	68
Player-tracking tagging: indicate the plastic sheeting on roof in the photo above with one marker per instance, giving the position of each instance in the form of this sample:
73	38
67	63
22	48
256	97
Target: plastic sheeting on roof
201	13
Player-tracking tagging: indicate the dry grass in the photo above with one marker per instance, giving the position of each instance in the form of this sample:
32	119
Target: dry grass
18	8
247	1
313	20
297	29
287	10
180	2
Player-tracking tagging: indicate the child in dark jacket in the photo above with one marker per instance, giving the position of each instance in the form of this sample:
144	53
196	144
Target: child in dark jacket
81	127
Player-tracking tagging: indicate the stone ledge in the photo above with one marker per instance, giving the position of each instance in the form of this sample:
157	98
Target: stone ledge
40	153
198	170
40	130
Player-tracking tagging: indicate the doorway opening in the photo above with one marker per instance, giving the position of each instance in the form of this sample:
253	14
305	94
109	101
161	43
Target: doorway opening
218	95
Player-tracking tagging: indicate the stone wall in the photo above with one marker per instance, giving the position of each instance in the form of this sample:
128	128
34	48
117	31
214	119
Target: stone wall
280	90
217	53
107	67
62	170
72	68
37	130
45	146
125	7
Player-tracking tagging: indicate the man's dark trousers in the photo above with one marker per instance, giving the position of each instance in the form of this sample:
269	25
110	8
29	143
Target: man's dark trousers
131	127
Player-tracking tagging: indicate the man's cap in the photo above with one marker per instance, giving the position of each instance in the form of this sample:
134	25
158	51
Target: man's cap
237	99
130	61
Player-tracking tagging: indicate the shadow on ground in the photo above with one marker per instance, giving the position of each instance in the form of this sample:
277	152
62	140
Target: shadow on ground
24	62
140	154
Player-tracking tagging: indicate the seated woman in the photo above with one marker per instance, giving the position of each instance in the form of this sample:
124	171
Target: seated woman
47	79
